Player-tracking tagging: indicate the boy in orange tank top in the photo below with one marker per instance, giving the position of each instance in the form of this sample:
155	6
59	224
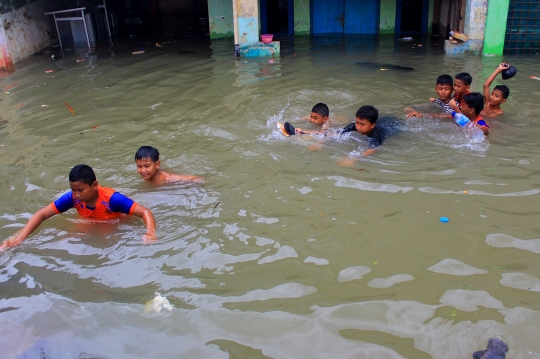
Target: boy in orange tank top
91	201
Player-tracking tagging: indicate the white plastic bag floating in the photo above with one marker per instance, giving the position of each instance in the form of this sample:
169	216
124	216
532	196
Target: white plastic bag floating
157	304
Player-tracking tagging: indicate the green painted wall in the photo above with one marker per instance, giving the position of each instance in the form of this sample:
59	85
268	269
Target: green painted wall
387	21
302	17
220	18
495	26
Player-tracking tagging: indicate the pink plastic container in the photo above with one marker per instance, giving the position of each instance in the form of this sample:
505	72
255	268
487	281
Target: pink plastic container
267	38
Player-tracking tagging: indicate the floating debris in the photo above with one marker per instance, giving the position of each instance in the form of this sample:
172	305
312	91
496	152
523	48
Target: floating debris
81	60
49	71
157	304
153	107
138	52
69	108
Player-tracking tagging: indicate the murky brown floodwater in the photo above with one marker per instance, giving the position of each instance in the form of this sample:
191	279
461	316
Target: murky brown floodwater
282	253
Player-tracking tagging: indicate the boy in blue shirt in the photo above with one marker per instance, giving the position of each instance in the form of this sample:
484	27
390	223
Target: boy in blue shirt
91	201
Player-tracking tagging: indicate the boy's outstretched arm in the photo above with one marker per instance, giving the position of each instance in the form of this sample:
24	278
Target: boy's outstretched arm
33	223
171	177
491	78
149	221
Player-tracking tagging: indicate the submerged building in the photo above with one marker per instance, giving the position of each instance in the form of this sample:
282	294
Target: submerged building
491	26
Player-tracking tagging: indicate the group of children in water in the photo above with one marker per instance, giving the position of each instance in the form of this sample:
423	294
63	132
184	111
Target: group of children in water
473	105
95	202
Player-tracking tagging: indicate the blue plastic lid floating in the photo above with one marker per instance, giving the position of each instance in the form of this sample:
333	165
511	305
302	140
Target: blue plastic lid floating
444	219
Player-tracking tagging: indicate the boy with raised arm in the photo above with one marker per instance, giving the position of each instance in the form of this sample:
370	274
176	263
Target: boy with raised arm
91	201
494	99
148	166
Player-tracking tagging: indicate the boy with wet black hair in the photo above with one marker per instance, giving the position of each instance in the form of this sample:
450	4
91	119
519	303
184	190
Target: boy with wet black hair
366	124
443	87
148	166
472	106
462	85
494	99
91	201
319	116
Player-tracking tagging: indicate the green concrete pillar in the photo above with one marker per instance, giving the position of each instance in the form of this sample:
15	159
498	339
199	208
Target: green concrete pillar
387	20
302	17
497	15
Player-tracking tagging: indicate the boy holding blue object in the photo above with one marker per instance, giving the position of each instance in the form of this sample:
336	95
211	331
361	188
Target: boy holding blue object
471	106
91	201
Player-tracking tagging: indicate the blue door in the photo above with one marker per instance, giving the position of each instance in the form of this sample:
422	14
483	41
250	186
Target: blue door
344	16
327	16
361	16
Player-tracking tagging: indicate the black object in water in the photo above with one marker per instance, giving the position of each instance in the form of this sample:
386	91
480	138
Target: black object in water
289	128
375	65
509	73
496	349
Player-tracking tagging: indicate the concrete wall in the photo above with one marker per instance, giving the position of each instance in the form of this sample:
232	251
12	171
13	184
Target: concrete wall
248	22
302	17
26	31
474	28
497	15
387	22
220	19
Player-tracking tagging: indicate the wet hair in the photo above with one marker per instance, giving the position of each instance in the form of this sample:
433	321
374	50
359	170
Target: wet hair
321	109
369	113
82	173
475	100
445	80
147	152
504	89
465	77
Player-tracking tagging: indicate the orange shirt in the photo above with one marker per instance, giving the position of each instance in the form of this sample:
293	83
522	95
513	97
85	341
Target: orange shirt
110	204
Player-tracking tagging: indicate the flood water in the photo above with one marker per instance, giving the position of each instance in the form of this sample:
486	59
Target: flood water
283	252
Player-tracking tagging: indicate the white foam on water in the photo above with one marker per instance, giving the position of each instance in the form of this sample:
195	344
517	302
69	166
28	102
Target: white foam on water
524	162
500	240
469	301
390	281
260	241
477	182
282	253
317	261
521	281
455	267
353	273
287	290
266	220
305	190
368	186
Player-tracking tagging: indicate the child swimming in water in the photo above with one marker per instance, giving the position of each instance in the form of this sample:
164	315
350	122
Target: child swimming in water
319	116
443	88
494	99
148	166
91	201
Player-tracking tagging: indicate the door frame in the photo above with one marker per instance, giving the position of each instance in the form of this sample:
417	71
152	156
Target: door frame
264	17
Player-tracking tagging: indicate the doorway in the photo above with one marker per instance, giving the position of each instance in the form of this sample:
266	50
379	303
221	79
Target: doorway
412	16
277	17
